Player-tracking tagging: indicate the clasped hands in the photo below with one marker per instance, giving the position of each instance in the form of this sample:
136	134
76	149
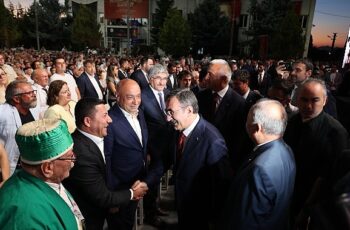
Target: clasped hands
139	189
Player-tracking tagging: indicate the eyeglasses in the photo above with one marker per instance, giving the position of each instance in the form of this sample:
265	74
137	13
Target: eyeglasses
33	92
170	112
71	158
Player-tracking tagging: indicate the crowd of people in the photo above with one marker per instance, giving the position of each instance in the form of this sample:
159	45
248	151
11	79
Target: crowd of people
252	144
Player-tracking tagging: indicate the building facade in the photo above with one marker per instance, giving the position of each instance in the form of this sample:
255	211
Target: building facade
125	23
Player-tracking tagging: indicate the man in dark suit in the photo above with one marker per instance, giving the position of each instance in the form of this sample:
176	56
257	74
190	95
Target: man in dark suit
126	149
202	85
261	192
225	109
88	83
172	80
317	140
261	81
201	164
241	86
140	75
160	133
123	69
87	180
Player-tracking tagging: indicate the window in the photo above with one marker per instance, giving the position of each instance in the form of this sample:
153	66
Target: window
243	21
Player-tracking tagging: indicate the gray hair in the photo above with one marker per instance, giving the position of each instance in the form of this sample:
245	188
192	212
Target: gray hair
271	115
225	69
13	89
186	98
311	80
157	69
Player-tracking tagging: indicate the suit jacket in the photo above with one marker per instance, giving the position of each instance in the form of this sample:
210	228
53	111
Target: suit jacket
229	119
201	181
262	87
168	83
86	88
121	75
261	192
252	98
87	183
160	132
140	78
126	157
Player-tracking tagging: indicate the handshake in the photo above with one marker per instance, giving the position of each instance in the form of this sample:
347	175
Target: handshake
139	189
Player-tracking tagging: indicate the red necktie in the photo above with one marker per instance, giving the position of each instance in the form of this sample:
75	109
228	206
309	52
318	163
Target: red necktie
180	145
214	104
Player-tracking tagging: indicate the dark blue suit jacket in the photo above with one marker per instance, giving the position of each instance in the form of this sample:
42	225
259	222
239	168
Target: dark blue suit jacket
126	158
161	134
86	88
140	78
202	174
261	192
229	119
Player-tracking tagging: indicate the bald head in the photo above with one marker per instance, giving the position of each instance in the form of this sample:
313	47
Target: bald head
129	96
41	77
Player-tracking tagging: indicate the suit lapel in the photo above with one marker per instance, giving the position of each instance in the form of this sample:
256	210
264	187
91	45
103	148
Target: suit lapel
125	126
223	107
91	145
191	143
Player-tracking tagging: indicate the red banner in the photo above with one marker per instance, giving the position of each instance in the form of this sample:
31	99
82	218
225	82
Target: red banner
119	9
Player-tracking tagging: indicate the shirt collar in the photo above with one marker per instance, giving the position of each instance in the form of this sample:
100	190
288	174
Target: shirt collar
222	92
190	128
246	94
126	114
97	140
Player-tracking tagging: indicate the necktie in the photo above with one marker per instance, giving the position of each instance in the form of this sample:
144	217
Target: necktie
214	105
260	78
45	90
180	145
161	101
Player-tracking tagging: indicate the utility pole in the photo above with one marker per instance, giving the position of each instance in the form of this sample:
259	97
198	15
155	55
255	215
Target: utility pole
333	41
128	27
36	25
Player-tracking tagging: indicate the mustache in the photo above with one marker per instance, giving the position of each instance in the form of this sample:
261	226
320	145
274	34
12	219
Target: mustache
173	122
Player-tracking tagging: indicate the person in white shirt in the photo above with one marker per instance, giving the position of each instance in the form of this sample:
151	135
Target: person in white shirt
60	66
41	84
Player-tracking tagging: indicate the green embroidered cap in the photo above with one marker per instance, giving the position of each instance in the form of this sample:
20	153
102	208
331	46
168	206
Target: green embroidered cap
43	140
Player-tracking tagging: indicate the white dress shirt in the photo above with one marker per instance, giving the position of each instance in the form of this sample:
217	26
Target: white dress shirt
134	122
96	86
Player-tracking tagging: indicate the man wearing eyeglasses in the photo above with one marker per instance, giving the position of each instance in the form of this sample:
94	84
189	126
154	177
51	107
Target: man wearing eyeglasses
201	166
20	108
33	197
160	133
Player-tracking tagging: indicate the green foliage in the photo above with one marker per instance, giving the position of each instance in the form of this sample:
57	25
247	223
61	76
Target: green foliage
210	28
163	6
9	33
288	41
175	35
85	29
272	18
53	25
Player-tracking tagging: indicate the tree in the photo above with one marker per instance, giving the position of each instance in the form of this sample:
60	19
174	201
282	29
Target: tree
175	35
163	6
267	16
52	25
9	33
288	41
210	28
85	29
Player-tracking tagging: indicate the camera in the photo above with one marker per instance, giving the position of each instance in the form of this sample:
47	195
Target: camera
287	65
